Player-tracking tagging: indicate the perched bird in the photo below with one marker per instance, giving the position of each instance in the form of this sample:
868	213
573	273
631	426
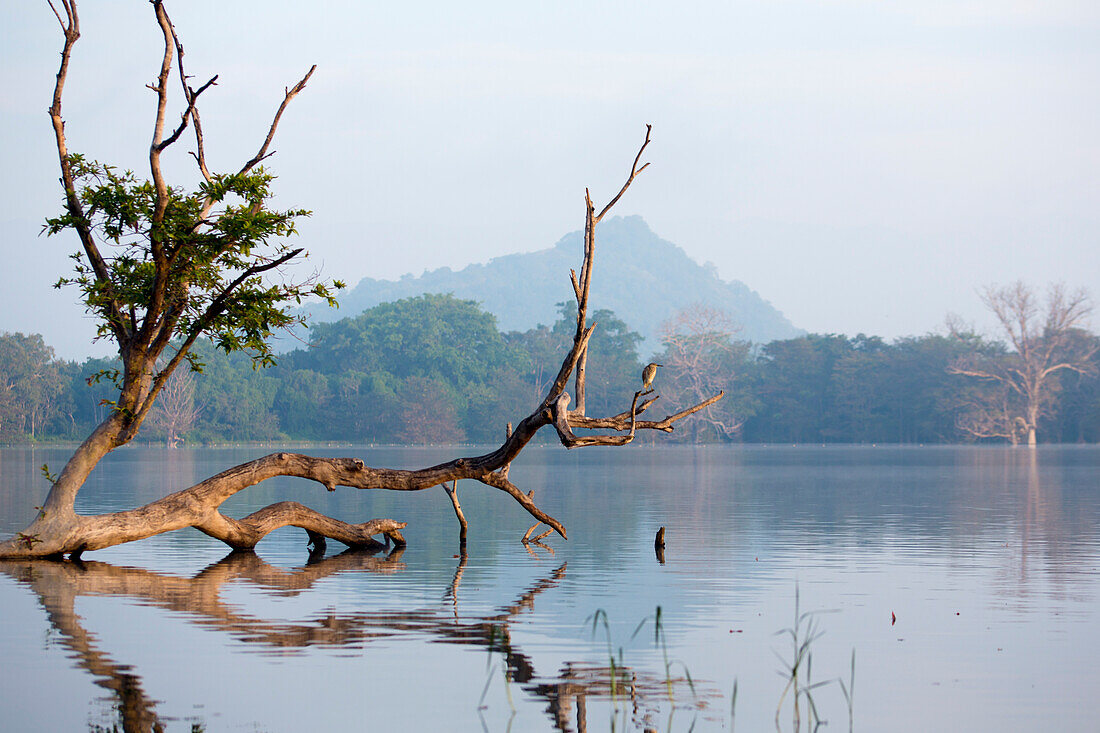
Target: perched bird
648	374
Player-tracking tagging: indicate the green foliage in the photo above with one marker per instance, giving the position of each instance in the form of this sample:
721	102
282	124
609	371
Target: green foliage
32	387
797	389
433	336
427	412
921	398
436	369
236	398
180	271
835	389
409	370
93	388
301	393
1078	420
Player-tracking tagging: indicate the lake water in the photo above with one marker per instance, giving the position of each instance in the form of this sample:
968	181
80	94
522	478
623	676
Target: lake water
964	579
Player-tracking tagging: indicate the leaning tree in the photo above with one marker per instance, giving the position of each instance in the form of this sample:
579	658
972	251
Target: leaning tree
160	267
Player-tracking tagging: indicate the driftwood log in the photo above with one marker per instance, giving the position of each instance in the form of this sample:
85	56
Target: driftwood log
59	530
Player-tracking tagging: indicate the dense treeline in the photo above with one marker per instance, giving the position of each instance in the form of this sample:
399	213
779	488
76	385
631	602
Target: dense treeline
437	369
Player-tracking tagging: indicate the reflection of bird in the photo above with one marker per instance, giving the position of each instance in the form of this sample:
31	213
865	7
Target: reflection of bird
648	374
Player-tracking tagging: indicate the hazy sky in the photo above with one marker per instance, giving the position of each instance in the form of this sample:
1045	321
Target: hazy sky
864	166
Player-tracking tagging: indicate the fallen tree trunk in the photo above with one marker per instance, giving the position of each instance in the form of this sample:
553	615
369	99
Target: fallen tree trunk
145	327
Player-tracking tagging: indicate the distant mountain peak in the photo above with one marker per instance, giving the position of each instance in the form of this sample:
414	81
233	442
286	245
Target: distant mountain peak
523	289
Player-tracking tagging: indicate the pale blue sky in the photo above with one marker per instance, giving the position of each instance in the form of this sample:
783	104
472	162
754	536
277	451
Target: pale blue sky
865	166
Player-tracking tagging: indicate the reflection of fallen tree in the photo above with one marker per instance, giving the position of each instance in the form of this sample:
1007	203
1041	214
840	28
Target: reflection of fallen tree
640	694
58	584
198	599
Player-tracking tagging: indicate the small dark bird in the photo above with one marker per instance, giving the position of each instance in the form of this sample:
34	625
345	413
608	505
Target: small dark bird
648	374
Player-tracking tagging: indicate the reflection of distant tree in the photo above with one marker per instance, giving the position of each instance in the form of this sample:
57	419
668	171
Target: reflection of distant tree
1041	521
198	599
1040	531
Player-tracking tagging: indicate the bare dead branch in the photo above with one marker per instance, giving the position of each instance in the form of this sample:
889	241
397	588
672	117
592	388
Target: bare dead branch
507	436
623	421
71	29
589	245
161	90
290	94
567	366
565	420
68	12
199	154
192	96
498	482
580	379
634	171
244	534
452	492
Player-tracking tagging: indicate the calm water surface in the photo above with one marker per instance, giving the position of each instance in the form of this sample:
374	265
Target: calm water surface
988	559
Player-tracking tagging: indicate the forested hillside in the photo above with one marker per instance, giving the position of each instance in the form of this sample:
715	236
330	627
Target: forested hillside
435	368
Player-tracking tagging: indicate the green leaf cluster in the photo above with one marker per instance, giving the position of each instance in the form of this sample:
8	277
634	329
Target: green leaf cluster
197	268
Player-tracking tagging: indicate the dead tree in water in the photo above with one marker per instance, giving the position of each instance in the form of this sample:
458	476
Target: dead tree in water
1044	341
160	268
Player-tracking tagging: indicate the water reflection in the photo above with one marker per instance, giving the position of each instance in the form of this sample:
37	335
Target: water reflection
1008	537
565	693
1049	535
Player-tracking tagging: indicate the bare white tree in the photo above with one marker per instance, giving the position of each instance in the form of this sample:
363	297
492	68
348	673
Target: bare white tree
1044	339
176	412
700	359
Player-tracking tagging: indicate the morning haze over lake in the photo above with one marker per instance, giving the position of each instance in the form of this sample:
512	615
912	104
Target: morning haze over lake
528	367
